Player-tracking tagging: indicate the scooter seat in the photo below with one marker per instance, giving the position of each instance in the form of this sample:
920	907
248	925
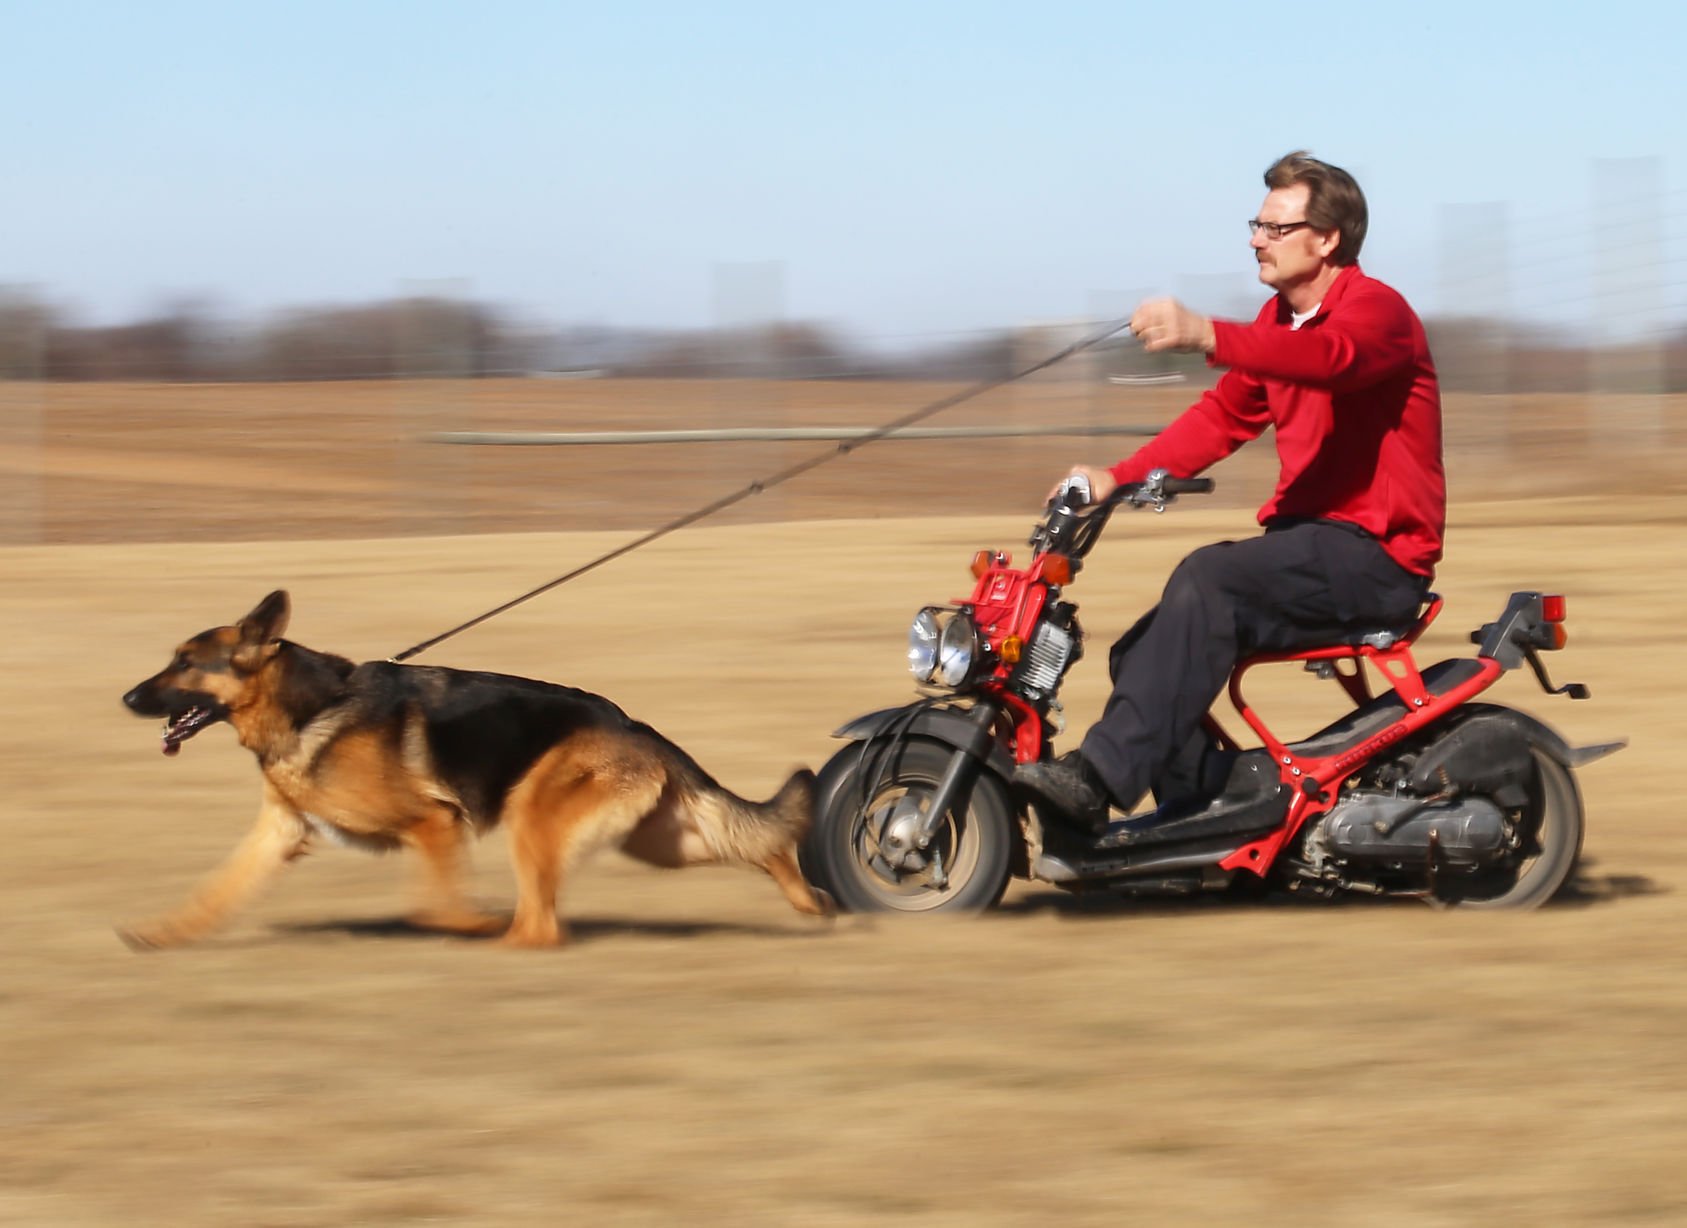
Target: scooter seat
1327	639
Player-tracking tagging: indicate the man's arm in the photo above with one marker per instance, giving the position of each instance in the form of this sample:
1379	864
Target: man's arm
1368	338
1226	417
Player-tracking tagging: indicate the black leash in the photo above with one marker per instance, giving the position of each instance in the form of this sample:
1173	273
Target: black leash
768	483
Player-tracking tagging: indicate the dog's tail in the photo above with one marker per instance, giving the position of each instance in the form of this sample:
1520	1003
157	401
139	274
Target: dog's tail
745	831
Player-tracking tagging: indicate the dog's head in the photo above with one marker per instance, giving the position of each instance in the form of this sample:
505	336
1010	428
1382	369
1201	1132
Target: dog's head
210	673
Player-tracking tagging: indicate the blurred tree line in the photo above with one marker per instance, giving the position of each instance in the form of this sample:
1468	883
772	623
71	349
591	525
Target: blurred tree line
188	342
427	337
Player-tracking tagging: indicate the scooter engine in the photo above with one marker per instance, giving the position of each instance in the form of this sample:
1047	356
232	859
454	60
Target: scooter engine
1450	799
1403	830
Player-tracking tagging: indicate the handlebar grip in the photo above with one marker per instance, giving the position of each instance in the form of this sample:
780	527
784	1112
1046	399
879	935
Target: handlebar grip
1187	486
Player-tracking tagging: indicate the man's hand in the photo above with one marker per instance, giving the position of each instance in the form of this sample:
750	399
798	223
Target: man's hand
1166	324
1101	482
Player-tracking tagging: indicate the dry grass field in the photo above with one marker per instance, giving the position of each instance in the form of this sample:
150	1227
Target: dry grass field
701	1054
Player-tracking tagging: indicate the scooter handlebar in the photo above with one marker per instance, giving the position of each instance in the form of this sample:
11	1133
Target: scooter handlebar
1159	486
1071	523
1187	486
1075	493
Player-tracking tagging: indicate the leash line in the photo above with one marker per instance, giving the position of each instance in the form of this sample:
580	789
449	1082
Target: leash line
768	483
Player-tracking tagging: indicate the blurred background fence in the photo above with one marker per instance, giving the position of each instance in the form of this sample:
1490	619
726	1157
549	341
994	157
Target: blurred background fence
1561	341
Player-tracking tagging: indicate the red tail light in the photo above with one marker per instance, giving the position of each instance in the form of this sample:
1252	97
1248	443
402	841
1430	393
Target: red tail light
1552	609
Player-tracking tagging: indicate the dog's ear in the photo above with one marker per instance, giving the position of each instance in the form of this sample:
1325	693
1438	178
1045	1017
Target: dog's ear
267	621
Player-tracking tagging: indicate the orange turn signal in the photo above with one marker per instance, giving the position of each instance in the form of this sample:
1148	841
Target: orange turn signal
1010	649
1057	569
981	563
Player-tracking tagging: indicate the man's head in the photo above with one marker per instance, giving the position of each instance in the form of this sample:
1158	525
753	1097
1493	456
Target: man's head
1322	216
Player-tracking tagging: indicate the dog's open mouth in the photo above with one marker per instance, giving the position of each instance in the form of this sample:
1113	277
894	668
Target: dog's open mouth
181	727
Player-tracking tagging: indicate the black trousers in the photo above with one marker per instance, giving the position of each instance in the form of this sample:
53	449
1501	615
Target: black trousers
1297	585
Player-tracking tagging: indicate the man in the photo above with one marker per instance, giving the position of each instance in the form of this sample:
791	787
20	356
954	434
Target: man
1337	362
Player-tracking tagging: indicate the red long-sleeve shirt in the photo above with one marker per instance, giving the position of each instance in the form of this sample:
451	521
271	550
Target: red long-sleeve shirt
1354	399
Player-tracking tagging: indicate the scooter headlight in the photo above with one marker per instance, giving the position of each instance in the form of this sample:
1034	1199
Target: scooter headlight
923	639
957	650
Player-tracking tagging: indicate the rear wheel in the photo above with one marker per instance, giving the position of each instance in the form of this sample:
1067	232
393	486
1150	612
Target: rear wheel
1549	827
861	849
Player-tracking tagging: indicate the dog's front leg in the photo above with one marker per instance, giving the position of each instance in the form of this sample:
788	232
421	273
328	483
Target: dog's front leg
279	836
439	838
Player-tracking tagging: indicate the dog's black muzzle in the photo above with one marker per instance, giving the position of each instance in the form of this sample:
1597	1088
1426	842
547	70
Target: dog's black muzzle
185	712
150	698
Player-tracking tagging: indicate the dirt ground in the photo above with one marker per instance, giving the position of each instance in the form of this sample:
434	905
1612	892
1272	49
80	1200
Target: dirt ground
701	1054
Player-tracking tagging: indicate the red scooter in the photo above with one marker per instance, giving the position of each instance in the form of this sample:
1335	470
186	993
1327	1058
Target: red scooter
1418	791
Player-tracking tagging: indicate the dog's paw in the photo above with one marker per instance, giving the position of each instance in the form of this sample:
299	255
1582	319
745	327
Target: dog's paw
153	937
532	938
828	906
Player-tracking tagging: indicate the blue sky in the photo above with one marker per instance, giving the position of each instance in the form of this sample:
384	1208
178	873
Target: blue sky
906	169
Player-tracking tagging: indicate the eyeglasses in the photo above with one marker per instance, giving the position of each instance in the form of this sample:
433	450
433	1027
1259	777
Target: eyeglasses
1274	230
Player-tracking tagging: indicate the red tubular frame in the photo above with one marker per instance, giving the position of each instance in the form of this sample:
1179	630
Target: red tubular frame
1314	779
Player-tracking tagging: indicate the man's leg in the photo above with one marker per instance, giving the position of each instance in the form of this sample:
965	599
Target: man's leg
1223	602
1168	669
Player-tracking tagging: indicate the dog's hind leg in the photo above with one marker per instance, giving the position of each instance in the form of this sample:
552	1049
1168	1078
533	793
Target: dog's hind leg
440	839
581	796
279	836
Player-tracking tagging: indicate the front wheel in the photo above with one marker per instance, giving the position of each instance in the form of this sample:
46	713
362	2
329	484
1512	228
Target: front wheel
872	795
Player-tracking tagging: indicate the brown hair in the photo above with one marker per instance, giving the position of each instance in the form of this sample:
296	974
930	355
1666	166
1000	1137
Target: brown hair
1335	201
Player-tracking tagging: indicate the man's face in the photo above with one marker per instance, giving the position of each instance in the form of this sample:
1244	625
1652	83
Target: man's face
1298	257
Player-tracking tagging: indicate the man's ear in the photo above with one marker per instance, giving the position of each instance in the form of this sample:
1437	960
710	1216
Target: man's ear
267	621
1328	241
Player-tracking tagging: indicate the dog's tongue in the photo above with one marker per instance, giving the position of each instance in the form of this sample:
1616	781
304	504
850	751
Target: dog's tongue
172	748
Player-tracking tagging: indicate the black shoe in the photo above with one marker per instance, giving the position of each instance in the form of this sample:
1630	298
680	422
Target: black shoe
1069	785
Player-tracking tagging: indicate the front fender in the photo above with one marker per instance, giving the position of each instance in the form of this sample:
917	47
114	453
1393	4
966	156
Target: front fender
952	726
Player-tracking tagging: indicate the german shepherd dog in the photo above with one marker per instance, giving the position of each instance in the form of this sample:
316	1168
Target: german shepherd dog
384	756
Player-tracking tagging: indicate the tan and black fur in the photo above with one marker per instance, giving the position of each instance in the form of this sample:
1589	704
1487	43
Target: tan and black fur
386	756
